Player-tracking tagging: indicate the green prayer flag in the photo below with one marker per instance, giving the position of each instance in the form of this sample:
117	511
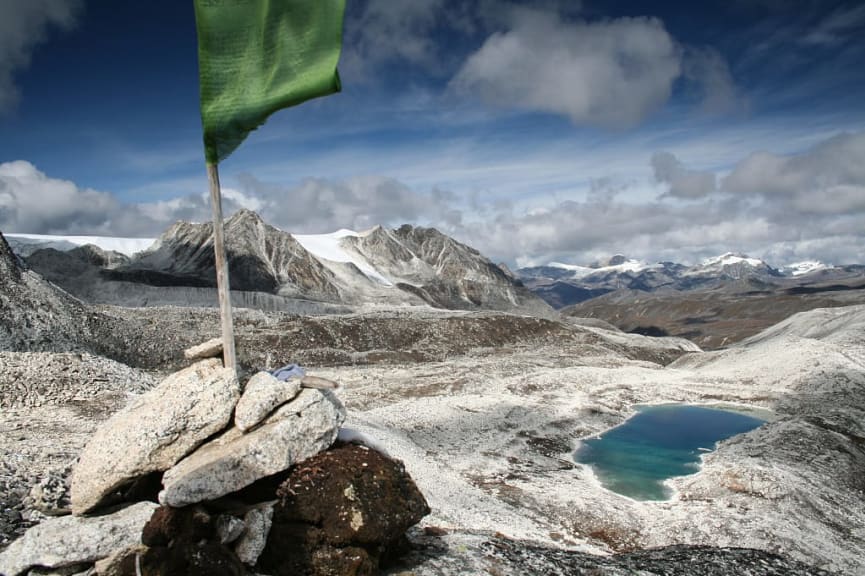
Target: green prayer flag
258	56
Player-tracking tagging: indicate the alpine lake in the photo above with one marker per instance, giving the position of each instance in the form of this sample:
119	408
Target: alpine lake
660	442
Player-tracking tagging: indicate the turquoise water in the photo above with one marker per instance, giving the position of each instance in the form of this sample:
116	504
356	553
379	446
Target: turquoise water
657	443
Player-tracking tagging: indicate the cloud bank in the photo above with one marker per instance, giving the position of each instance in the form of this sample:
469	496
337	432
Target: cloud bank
782	208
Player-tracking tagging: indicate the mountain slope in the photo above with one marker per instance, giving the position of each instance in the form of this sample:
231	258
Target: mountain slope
260	258
440	270
34	314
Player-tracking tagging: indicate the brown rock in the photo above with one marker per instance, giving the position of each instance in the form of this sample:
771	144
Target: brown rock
341	512
186	541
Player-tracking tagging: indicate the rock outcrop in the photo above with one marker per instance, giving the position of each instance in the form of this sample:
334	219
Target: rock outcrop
156	431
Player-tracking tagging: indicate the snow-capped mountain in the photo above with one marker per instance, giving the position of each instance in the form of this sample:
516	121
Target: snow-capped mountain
565	284
732	266
802	268
405	266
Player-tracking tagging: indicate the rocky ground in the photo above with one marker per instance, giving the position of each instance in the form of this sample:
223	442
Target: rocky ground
486	410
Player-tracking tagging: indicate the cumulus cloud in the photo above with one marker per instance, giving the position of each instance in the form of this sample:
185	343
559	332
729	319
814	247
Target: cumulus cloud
611	73
320	205
23	25
827	179
781	208
33	202
542	57
683	183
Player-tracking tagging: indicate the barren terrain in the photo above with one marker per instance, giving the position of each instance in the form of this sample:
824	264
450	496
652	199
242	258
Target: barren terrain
486	410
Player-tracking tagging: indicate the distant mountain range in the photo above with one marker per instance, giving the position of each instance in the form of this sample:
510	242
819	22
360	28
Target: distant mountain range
562	285
403	266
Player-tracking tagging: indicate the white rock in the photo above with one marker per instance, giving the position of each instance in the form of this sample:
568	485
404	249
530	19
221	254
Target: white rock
262	394
71	540
210	349
156	431
252	542
297	430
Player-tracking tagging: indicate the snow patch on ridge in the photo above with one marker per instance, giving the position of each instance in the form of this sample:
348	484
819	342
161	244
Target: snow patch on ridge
583	271
329	247
802	268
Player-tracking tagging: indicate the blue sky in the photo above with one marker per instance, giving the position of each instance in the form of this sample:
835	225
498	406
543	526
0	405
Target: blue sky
534	131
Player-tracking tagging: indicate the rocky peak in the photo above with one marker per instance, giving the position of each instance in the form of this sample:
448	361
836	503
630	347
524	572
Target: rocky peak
261	258
9	265
617	260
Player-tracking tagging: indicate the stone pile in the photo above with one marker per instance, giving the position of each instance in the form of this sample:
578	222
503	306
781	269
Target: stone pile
190	477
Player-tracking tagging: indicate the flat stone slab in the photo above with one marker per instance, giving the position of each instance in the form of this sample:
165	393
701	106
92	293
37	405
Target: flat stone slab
210	349
297	430
156	431
69	540
262	394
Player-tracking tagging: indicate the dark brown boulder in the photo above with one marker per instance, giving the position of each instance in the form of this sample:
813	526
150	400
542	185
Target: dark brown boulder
184	542
341	512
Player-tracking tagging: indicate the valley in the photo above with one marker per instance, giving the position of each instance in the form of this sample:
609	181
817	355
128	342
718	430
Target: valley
485	408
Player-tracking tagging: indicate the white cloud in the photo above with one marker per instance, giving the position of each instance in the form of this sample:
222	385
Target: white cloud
359	203
30	201
827	179
23	25
611	73
837	26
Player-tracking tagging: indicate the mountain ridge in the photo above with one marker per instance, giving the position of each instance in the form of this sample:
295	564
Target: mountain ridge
403	266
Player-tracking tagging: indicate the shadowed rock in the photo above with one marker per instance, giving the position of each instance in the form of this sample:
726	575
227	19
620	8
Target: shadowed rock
185	541
341	512
258	522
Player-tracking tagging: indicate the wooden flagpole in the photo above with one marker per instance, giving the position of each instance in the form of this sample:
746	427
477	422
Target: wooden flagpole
229	357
